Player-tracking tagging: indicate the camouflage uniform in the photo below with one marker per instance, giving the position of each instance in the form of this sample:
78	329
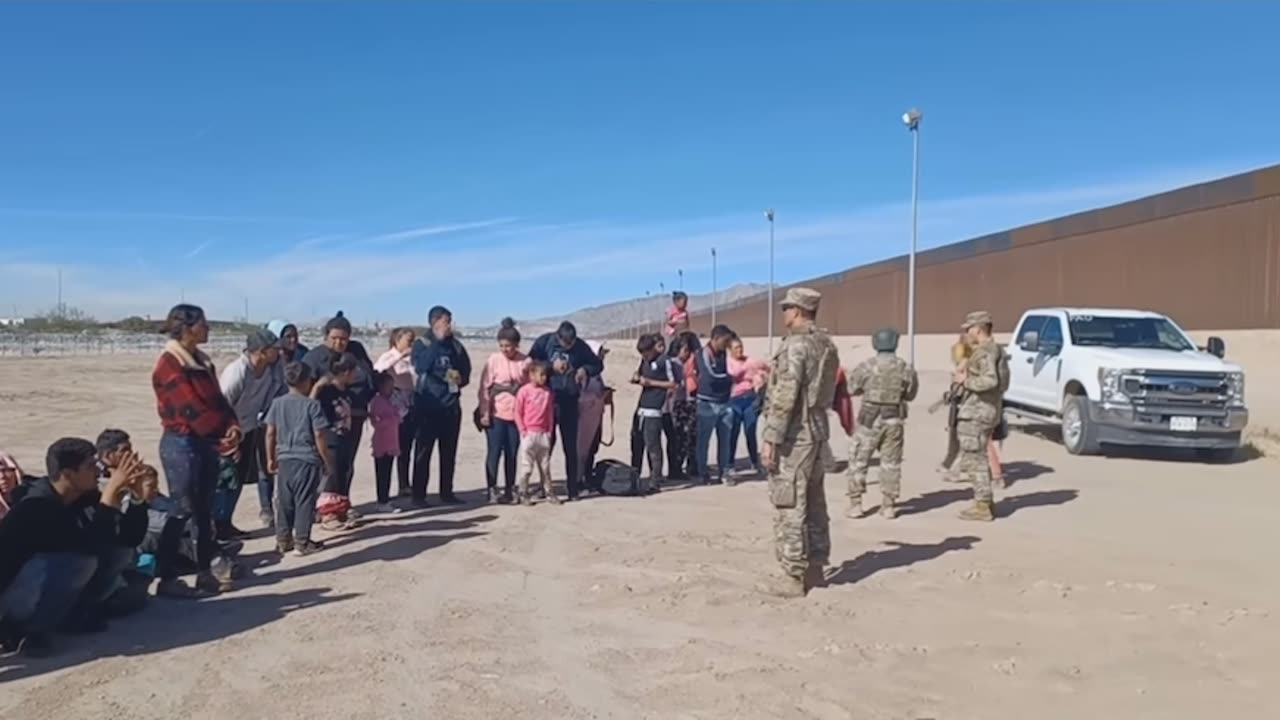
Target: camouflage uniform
986	378
886	383
802	386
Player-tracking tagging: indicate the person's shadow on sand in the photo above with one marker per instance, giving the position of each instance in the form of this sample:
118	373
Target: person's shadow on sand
168	624
898	555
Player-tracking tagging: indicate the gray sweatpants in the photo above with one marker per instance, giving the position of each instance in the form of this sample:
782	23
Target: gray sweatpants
297	489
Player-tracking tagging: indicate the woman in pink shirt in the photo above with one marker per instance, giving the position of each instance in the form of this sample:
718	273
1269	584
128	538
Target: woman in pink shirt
748	377
396	361
504	372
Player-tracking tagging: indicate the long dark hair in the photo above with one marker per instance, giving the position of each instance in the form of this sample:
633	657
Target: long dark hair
181	318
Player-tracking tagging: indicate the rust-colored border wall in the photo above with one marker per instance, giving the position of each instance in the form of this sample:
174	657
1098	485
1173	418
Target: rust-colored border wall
1208	255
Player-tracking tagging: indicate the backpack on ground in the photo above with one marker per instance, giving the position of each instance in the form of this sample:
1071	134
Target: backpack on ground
618	479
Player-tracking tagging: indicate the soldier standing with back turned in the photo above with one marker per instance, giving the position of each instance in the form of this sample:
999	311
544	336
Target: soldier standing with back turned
886	383
984	379
802	385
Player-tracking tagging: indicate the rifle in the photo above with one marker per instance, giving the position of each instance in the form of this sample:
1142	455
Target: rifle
950	397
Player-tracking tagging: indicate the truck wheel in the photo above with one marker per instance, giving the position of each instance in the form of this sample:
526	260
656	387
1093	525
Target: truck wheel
1078	434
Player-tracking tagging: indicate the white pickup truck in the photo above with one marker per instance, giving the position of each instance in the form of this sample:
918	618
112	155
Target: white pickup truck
1125	377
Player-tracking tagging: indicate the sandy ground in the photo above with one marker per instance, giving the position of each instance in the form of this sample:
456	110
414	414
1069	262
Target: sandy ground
1123	587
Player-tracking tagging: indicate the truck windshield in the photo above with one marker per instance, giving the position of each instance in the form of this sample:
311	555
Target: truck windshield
1127	332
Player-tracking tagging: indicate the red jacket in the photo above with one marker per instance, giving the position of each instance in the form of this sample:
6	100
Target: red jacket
188	397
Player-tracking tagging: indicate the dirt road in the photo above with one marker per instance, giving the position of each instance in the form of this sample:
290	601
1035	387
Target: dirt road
1111	587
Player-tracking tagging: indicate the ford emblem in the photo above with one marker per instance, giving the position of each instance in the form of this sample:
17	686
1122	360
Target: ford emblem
1183	388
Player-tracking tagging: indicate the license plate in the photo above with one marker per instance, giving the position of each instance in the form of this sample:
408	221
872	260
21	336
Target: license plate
1182	424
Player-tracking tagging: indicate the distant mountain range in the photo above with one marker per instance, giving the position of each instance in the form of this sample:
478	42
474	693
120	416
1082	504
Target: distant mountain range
602	319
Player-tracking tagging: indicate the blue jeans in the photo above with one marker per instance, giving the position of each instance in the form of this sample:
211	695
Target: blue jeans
718	418
745	418
191	470
46	590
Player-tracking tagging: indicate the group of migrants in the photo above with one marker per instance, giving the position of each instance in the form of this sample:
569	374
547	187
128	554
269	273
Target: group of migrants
87	541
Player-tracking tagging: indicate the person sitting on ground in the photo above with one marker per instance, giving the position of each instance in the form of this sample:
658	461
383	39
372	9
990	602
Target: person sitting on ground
249	383
10	477
299	455
535	418
60	543
573	364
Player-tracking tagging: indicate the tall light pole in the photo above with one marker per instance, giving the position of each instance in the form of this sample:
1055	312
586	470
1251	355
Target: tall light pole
912	119
681	274
648	295
768	214
713	287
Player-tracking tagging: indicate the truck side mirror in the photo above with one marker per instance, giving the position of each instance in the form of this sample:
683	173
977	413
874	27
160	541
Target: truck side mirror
1216	347
1030	342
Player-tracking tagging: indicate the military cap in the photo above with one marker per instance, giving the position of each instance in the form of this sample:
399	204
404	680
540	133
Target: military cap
260	339
803	298
977	317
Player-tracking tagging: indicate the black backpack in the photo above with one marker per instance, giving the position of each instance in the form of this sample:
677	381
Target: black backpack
617	478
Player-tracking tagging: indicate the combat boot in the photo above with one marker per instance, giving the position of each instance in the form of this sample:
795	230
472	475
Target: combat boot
888	508
855	509
981	511
783	586
814	577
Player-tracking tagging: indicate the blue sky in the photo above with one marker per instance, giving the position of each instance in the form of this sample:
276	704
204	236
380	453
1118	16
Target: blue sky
531	159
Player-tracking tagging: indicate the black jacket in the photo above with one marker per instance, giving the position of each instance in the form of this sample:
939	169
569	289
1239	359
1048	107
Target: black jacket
362	390
432	360
547	349
39	522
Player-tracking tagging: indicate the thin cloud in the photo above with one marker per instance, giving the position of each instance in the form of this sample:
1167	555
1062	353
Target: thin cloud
383	275
131	215
198	249
433	230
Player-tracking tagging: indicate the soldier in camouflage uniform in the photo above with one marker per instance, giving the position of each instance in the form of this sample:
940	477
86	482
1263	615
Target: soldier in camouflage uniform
886	383
984	378
802	386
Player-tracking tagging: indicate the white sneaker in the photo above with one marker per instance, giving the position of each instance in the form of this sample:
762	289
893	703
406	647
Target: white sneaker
387	509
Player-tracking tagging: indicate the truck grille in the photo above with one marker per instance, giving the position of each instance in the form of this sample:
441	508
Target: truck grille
1182	393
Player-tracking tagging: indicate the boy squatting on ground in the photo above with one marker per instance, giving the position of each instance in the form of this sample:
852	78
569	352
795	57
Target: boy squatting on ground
298	454
536	421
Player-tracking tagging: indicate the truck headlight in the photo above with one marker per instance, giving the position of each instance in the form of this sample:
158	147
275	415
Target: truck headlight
1109	381
1235	389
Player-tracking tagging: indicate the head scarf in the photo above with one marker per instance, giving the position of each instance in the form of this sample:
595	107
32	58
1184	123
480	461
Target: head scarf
277	326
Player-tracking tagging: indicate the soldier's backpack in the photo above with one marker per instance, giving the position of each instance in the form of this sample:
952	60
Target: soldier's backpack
1002	369
618	479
